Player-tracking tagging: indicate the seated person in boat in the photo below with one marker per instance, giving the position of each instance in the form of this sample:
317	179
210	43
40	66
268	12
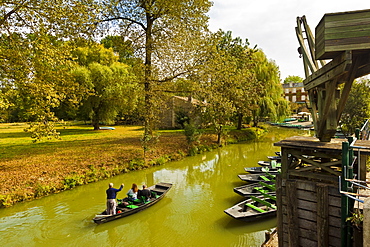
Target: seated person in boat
132	193
111	198
144	193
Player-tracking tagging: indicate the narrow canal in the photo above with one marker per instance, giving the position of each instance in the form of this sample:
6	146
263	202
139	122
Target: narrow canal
191	214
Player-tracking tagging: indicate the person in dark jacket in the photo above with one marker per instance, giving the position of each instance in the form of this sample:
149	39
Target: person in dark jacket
111	198
144	193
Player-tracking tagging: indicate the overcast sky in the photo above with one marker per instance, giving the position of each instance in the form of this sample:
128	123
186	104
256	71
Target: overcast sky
270	24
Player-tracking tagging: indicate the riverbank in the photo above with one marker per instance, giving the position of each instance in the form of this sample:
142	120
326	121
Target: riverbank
33	170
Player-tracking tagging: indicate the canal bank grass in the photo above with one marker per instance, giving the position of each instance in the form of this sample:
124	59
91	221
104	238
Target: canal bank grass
31	170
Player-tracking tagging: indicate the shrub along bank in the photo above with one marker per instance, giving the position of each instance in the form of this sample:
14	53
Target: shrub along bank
33	170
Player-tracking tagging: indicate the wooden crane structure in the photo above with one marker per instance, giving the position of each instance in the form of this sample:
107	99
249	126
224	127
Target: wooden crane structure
345	39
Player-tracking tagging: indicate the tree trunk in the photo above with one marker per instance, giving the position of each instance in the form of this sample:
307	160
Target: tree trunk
148	128
240	121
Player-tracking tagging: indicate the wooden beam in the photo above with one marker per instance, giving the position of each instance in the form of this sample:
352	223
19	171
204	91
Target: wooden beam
318	165
347	88
338	66
307	58
310	40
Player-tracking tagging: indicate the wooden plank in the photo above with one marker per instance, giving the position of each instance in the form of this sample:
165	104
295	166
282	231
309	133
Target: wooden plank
338	32
292	213
313	176
322	216
279	204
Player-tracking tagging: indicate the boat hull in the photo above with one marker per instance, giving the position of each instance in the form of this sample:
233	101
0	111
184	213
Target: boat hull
240	212
161	189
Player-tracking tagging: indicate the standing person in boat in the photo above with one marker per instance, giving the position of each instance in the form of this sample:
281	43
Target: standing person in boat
132	193
145	192
111	198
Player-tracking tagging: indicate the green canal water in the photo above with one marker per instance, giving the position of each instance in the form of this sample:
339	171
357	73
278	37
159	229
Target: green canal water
191	214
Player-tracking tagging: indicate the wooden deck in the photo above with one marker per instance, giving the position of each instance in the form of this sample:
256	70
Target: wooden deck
312	143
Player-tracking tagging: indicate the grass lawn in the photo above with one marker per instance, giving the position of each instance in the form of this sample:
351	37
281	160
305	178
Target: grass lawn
29	170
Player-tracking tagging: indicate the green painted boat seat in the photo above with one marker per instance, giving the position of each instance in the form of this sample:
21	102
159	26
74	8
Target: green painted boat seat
265	178
269	196
255	208
262	191
270	175
263	202
269	186
132	206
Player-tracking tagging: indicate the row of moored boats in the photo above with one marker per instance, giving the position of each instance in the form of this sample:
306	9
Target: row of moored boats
259	193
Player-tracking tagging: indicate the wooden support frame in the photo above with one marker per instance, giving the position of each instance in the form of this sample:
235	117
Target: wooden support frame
326	104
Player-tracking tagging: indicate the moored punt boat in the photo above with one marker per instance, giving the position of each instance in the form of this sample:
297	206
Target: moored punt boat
255	189
276	157
260	169
254	208
252	178
268	163
158	192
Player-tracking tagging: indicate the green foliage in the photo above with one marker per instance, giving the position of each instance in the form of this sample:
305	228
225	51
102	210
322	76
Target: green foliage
136	164
34	60
356	219
73	181
270	102
110	87
227	84
193	134
293	78
6	200
167	34
43	190
357	108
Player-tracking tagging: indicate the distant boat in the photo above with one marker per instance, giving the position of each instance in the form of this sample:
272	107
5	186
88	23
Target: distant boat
158	192
254	208
107	128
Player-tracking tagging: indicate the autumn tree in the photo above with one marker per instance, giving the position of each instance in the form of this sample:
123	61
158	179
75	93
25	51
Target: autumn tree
166	34
110	87
34	61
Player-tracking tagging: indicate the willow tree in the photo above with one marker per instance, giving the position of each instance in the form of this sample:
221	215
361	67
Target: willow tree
270	102
34	59
166	34
110	87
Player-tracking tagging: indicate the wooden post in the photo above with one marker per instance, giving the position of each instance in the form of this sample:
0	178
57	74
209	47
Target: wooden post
322	218
366	223
291	194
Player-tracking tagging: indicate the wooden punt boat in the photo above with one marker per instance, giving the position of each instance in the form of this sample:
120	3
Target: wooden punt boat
268	163
277	158
255	189
254	208
252	178
260	169
158	192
